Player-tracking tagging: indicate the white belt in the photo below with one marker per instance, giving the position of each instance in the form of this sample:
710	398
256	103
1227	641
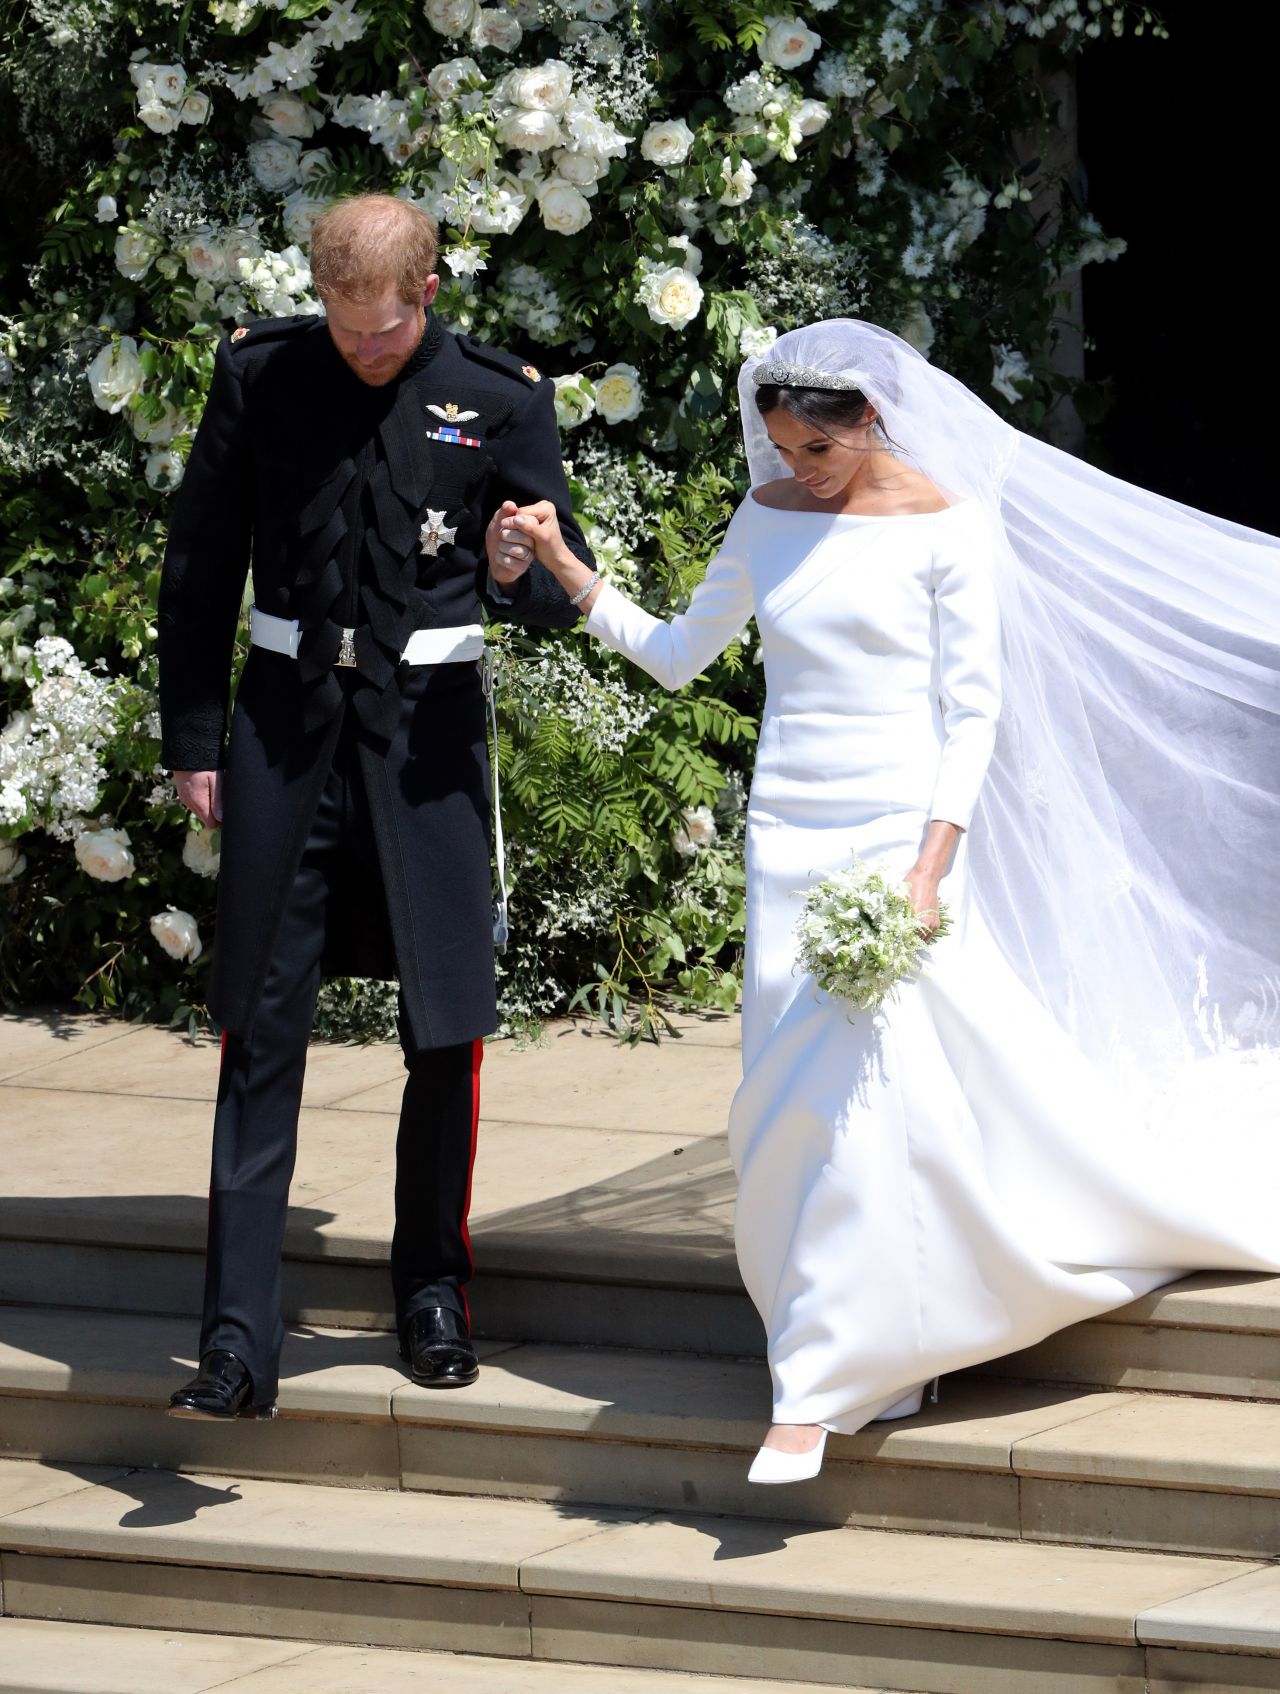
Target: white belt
424	647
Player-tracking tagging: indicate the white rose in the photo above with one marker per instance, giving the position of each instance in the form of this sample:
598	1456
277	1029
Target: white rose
493	28
300	213
583	170
543	88
239	245
107	212
159	117
697	829
447	79
672	295
737	184
451	17
168	81
667	144
532	131
12	862
619	395
136	249
810	116
164	470
574	401
159	432
286	114
316	161
115	375
565	209
274	161
598	11
206	257
177	933
788	43
142	74
199	853
194	109
104	854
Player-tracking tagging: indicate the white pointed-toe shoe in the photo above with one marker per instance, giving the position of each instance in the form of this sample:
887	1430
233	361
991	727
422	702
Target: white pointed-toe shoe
772	1465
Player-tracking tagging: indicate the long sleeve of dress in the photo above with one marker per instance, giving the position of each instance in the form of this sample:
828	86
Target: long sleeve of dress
675	650
968	664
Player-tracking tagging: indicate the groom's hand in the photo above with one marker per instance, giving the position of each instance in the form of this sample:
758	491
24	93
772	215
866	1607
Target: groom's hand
509	555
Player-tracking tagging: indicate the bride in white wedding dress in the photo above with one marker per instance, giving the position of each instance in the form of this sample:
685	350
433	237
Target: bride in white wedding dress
1048	700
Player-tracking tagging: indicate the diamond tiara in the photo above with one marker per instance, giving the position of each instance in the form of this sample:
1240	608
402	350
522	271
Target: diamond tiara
777	372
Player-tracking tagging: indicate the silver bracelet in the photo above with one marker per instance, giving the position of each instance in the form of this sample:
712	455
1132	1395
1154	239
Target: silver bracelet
582	593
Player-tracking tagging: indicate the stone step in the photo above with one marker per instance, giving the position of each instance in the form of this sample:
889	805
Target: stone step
523	1580
40	1657
654	1432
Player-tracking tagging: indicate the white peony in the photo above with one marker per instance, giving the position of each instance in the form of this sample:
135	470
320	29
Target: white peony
667	144
177	933
286	114
737	183
199	853
104	854
451	17
494	28
274	161
565	209
206	257
543	88
672	295
810	116
697	829
532	130
12	862
300	213
106	209
619	395
574	400
448	79
115	375
788	42
158	117
164	469
194	109
583	170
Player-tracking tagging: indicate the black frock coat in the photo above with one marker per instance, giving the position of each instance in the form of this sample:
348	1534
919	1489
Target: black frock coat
324	484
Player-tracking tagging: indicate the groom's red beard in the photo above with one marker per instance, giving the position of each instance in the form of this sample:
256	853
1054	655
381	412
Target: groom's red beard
382	371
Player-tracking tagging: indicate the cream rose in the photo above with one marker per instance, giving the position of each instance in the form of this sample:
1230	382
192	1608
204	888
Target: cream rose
583	170
300	213
316	161
672	295
12	862
697	829
451	17
810	116
206	257
532	131
543	88
169	82
238	245
619	395
194	109
177	933
274	161
446	80
199	853
565	209
287	115
788	42
667	144
136	250
104	854
115	375
500	30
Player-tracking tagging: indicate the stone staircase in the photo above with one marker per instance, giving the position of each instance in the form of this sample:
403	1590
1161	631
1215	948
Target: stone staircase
1101	1513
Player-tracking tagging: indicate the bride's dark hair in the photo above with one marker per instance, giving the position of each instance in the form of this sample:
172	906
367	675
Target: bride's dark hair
823	409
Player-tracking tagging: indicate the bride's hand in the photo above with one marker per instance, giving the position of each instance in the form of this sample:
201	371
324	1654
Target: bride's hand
923	890
538	526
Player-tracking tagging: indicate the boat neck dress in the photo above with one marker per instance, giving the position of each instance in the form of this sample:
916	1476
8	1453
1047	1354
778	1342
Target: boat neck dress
948	1179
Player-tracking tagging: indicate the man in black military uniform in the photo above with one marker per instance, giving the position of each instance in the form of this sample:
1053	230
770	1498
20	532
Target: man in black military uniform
355	458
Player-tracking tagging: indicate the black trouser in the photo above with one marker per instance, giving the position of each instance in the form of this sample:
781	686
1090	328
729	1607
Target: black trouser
255	1131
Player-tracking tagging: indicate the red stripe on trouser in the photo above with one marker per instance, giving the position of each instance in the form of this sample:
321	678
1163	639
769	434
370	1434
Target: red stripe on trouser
477	1054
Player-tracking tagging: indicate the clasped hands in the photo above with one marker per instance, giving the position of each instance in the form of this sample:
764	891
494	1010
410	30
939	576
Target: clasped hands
518	534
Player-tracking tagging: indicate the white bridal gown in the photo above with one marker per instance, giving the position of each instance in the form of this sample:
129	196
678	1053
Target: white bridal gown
949	1179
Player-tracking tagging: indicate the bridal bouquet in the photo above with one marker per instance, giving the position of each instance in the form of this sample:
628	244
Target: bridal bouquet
860	935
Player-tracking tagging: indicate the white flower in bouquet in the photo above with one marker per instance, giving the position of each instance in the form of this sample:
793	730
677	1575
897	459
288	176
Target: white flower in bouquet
738	183
531	129
448	80
859	935
115	374
195	108
1010	367
667	144
544	88
164	469
672	295
788	42
619	394
205	256
299	213
565	209
177	933
497	29
106	209
159	431
810	116
158	117
451	17
104	854
696	830
274	161
167	82
12	863
200	852
288	115
574	400
755	340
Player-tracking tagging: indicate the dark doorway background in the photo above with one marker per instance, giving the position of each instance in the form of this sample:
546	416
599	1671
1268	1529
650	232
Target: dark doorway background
1177	139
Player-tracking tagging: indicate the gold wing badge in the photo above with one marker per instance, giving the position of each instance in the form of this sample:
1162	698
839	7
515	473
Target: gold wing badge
449	413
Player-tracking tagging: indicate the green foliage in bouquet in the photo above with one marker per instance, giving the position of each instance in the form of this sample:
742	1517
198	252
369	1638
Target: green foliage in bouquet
633	196
859	935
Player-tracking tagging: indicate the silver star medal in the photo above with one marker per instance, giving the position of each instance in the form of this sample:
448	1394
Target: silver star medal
434	533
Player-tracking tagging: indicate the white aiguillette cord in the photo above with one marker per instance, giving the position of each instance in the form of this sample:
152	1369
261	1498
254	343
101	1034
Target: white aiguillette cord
501	925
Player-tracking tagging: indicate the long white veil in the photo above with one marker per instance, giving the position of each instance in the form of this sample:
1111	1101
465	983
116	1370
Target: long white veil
1122	852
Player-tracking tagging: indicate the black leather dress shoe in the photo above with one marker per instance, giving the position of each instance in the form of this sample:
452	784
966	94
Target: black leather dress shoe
436	1344
222	1388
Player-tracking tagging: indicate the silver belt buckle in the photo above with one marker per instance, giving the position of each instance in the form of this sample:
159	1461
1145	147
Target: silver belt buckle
346	650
